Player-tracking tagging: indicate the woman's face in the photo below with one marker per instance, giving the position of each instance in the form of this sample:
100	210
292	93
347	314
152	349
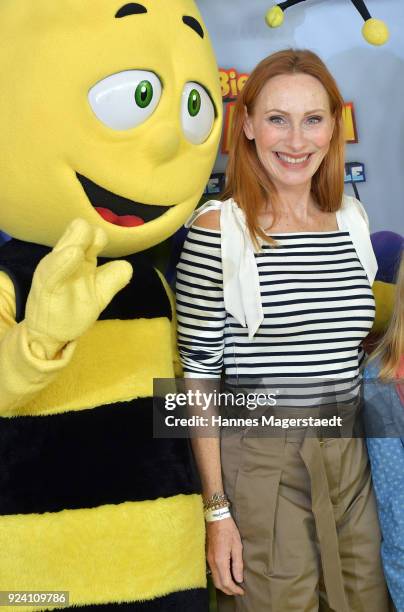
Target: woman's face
292	126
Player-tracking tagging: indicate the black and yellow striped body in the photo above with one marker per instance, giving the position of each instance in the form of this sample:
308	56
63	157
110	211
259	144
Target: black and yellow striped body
90	502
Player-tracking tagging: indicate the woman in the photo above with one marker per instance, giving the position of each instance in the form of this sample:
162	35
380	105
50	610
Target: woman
275	281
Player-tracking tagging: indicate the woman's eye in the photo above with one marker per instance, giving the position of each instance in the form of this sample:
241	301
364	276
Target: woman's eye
125	99
277	120
314	120
197	113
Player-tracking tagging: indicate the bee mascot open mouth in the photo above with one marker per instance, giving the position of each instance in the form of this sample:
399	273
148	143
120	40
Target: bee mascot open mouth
110	120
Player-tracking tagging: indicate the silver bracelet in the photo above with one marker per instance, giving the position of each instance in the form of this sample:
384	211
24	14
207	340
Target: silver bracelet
217	500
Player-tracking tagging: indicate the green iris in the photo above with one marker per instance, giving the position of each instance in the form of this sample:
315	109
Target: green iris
144	94
194	102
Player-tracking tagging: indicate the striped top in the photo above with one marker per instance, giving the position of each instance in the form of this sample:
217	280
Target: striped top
317	302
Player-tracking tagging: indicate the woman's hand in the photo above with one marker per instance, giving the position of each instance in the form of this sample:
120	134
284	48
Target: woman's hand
224	555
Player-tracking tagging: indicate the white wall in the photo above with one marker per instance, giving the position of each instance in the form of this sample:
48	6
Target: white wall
372	77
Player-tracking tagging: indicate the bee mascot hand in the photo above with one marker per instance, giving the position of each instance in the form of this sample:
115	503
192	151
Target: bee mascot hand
69	291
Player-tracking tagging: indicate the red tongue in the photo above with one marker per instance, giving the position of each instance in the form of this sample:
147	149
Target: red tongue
123	221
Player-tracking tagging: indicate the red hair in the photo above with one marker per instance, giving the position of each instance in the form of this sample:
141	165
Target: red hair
246	179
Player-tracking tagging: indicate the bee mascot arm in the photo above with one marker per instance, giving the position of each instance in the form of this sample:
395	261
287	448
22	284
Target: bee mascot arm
67	295
178	371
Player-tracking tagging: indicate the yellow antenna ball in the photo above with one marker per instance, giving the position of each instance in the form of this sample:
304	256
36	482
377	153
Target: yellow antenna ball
274	17
375	32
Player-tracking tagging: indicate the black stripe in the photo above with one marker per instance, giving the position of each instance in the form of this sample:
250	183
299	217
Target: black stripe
288	375
196	307
196	295
293	364
200	287
282	315
358	268
308	263
144	297
82	459
306	245
314	254
182	336
210	234
208	298
305	332
202	255
258	354
303	342
198	266
202	243
204	278
308	322
309	384
298	236
311	280
320	290
192	600
208	350
315	299
199	318
197	327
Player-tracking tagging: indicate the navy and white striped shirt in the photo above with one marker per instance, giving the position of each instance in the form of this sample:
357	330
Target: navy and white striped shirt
317	303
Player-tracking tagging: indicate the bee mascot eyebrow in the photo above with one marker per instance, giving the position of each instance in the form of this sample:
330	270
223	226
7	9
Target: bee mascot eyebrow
374	31
105	149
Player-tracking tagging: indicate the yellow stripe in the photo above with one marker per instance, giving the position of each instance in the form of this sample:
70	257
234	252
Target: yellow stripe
114	361
113	553
384	295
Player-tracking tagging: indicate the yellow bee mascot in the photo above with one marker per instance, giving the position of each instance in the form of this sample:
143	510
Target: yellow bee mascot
110	118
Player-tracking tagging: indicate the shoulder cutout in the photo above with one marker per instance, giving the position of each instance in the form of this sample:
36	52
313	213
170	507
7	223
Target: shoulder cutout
208	220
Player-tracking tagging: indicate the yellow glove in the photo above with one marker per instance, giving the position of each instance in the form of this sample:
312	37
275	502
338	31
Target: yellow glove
69	291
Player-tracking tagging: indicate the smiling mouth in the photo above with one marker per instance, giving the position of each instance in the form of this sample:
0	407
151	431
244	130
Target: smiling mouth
118	210
293	160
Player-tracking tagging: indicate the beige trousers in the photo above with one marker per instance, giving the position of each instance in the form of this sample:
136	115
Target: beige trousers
307	518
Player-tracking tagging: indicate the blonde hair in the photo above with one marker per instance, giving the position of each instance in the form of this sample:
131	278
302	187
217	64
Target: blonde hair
391	348
246	179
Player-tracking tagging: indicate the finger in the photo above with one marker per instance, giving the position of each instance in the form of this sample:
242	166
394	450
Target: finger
78	233
99	241
58	266
224	587
111	278
237	562
226	579
217	581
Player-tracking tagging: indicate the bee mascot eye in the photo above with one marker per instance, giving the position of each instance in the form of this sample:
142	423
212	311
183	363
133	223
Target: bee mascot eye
108	135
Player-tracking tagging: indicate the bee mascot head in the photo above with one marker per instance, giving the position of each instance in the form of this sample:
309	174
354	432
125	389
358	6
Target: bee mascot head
110	117
109	112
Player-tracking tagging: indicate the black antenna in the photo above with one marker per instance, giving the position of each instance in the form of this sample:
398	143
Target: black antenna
361	7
